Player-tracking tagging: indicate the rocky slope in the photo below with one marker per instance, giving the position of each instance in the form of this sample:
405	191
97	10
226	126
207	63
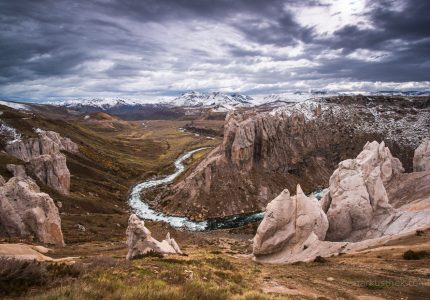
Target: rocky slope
26	212
264	152
359	211
44	158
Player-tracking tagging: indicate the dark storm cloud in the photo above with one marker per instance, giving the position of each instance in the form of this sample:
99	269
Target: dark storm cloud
157	46
411	23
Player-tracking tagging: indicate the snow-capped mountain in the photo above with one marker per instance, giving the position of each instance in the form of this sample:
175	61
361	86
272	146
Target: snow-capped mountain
188	99
99	103
215	99
286	97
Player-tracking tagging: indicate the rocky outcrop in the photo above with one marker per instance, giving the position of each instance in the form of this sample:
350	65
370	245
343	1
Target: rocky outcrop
44	158
359	211
141	242
26	212
289	223
358	199
422	157
265	152
261	155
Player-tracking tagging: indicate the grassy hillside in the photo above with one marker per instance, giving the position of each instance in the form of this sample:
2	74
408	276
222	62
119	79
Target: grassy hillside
113	156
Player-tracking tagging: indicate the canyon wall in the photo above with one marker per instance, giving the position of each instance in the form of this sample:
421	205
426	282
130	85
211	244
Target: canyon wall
300	143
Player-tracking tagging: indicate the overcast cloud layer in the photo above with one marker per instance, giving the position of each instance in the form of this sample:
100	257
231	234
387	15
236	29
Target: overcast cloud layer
149	48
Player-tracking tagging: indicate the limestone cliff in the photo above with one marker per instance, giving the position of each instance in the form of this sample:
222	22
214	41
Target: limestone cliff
44	158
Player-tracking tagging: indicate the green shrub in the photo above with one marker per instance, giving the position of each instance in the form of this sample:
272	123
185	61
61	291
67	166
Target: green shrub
17	276
415	255
320	259
149	254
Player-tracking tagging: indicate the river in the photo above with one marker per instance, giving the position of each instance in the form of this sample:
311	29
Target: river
140	208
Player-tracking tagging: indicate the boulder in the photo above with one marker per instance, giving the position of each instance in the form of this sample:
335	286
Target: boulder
44	158
141	242
288	224
26	212
422	157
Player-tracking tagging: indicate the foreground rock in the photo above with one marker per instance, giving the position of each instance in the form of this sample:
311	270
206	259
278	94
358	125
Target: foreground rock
141	242
359	212
289	223
28	252
26	212
422	157
44	158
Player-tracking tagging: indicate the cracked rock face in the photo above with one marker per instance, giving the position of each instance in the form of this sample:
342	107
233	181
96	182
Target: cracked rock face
26	212
422	157
140	240
44	158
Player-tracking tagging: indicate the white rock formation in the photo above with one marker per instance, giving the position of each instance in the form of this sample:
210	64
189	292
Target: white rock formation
25	211
44	158
288	225
358	210
140	240
357	196
422	157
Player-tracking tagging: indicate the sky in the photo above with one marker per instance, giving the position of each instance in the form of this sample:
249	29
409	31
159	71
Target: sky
58	49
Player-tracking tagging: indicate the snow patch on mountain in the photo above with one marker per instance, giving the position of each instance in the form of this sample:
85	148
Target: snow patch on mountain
215	99
9	134
309	109
406	128
14	105
102	103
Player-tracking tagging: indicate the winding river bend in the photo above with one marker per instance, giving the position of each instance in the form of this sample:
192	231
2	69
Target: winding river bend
142	209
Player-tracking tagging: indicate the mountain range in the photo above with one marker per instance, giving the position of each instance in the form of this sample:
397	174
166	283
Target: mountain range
216	100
